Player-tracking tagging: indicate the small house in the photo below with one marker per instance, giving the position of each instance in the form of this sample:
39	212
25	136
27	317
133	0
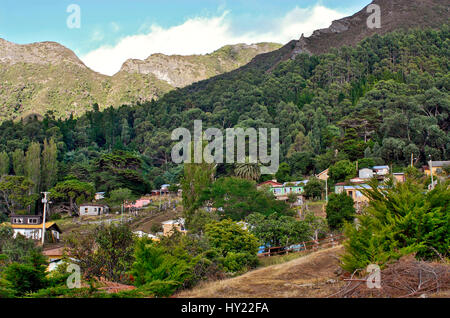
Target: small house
173	225
143	234
366	173
437	166
99	196
282	192
34	231
140	203
270	184
381	170
323	175
92	209
399	177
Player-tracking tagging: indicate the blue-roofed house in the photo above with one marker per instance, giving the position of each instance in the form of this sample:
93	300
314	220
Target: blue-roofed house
281	192
381	170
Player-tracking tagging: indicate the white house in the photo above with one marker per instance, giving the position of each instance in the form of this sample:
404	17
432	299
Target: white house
366	173
143	234
381	170
173	225
92	209
34	232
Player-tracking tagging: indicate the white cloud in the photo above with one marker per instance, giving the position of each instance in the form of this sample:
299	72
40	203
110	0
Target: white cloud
204	35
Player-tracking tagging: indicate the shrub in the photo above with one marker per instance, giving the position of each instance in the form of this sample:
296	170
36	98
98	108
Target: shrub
162	271
399	220
228	237
340	209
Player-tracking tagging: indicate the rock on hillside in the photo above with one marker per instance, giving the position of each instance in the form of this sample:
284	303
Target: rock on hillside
180	71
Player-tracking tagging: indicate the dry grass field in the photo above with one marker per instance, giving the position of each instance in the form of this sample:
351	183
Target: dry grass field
308	276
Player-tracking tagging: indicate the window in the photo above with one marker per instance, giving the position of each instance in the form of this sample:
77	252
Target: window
18	221
32	221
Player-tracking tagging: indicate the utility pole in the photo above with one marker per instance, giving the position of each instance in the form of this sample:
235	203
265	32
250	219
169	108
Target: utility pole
326	190
431	173
412	160
45	201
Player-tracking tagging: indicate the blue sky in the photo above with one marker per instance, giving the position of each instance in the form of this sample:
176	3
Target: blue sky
113	30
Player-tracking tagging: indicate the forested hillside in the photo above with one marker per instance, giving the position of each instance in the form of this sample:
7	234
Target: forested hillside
46	76
383	99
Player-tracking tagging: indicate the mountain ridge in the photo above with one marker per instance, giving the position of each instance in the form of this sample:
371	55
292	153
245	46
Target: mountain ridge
47	76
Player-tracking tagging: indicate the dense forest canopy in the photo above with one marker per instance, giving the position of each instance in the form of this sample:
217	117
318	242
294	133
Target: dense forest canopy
382	100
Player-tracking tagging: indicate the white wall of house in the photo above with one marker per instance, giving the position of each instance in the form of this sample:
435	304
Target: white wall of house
366	173
88	210
34	234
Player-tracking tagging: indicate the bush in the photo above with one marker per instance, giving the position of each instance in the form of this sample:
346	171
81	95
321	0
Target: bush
314	188
399	220
340	209
237	262
55	217
228	237
276	230
162	270
28	277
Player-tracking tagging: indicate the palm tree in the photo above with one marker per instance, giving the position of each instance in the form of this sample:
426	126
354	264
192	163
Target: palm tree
247	170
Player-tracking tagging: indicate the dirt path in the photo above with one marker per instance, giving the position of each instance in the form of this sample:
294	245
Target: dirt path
312	275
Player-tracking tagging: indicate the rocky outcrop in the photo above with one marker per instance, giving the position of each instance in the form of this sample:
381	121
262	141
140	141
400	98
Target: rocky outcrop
180	71
42	53
395	15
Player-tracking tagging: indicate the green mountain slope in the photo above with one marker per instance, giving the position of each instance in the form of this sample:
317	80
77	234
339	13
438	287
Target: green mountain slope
180	71
40	77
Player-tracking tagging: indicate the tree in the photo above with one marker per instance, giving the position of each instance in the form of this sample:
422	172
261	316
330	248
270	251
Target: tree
277	230
366	163
171	264
16	249
317	225
301	163
28	277
33	165
247	170
49	164
302	143
342	171
15	193
197	178
340	209
284	173
4	163
314	188
72	191
106	251
399	220
236	245
125	134
18	162
119	196
236	198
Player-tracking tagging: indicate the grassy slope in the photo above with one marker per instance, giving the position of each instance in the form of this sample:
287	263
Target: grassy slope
306	276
